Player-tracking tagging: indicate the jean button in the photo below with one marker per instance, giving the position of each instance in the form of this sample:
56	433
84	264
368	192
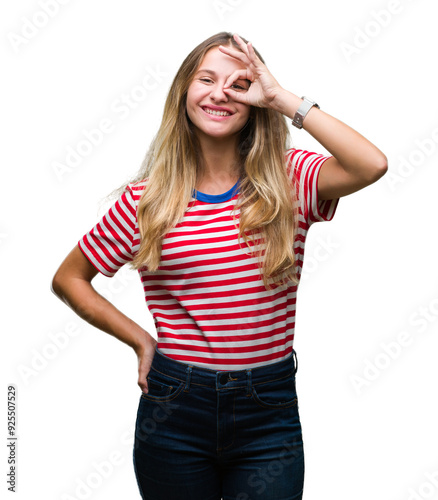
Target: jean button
223	378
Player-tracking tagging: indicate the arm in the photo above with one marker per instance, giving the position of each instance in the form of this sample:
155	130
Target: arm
72	284
356	162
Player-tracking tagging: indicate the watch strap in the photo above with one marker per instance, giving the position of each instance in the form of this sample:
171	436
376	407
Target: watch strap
302	111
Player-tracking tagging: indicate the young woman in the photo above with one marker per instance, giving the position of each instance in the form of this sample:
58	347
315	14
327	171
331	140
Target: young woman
216	222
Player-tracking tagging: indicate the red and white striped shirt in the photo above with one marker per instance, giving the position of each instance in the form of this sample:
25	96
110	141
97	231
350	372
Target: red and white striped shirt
207	297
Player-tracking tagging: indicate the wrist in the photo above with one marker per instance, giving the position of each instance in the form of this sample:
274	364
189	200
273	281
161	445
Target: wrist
286	103
145	341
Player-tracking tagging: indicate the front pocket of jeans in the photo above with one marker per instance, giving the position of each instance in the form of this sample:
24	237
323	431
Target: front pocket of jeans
161	387
276	393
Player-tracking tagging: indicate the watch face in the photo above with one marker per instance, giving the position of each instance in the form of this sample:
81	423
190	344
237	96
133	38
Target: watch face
313	103
302	111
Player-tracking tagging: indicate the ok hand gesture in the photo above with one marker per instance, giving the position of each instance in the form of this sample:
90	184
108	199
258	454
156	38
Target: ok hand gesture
264	87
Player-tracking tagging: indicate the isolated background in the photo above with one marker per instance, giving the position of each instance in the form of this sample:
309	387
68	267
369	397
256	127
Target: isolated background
375	282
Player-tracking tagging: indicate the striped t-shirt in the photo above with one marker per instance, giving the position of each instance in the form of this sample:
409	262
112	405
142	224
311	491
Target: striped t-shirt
207	298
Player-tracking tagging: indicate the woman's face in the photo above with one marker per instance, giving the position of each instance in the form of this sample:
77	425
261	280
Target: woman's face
211	111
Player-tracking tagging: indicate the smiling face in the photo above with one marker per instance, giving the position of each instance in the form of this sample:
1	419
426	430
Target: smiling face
213	113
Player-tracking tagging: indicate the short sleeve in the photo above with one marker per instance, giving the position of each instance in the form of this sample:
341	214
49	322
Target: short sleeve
109	245
305	167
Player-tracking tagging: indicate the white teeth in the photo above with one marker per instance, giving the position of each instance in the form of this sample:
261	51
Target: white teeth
217	113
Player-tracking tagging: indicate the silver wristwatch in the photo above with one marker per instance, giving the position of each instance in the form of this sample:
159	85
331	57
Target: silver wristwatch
302	111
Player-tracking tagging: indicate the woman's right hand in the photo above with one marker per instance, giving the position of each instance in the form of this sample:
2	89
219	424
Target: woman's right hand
145	355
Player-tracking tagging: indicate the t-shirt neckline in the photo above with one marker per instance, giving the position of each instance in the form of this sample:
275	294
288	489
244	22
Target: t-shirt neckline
216	198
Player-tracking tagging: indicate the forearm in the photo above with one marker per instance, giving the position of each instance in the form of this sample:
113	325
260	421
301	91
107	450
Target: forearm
353	151
85	301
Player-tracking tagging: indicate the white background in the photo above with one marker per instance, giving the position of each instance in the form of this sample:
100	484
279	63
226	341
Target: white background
370	274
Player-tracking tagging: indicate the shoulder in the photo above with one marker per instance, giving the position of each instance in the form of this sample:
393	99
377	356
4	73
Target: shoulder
297	158
301	163
135	189
293	164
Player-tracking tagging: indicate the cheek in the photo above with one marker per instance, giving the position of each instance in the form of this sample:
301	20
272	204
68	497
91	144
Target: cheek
190	103
245	111
193	97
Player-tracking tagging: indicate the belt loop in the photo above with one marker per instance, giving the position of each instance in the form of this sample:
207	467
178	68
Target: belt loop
249	380
188	378
296	361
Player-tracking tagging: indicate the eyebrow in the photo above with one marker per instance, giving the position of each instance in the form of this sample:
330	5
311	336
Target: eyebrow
205	70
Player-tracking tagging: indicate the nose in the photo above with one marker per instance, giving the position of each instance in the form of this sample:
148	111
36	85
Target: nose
217	92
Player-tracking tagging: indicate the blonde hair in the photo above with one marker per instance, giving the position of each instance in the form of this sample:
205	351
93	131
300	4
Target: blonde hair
172	168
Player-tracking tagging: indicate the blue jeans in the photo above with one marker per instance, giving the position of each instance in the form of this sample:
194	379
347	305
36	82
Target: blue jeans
209	435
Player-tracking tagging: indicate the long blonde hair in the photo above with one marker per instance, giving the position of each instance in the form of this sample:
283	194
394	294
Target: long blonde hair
172	167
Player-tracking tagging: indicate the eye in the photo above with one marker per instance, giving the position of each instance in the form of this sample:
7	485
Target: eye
237	86
207	80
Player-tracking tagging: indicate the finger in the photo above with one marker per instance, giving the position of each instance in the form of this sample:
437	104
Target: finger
252	56
237	96
241	43
143	384
248	58
142	380
237	54
239	74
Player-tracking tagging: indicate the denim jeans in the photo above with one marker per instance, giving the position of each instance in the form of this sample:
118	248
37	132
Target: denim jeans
209	435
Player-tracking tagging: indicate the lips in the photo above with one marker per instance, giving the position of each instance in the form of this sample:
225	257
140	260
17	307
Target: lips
217	110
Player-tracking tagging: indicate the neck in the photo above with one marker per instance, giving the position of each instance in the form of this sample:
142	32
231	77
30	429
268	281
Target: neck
219	160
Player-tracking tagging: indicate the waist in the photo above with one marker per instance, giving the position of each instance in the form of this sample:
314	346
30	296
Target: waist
231	378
